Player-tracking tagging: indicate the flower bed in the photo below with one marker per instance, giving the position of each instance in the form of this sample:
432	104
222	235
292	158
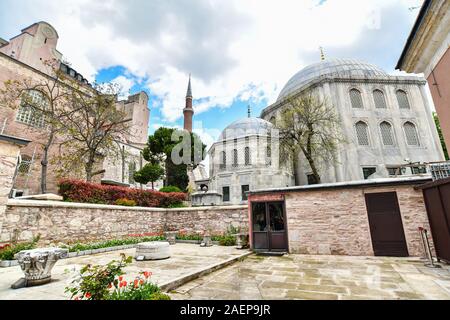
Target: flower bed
85	192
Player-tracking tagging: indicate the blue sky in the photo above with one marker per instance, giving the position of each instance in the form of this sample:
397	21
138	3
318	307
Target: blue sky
239	52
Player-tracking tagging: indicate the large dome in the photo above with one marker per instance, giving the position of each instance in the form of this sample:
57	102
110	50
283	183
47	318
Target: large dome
340	68
245	127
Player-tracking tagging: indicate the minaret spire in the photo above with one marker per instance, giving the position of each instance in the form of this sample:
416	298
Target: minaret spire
249	111
189	90
188	111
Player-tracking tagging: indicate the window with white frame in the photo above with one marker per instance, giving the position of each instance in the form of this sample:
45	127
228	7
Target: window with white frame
412	139
30	109
402	99
362	133
356	99
378	98
387	134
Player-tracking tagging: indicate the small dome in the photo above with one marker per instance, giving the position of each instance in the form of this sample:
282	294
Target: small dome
340	68
245	127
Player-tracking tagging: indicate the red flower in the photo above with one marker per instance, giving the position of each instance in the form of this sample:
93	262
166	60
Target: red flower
120	278
141	282
136	282
147	274
87	295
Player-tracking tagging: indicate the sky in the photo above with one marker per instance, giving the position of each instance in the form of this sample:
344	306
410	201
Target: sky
238	52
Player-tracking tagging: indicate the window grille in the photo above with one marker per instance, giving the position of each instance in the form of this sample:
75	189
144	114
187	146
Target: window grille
378	98
235	158
356	99
28	113
362	133
386	133
223	163
247	156
412	138
402	99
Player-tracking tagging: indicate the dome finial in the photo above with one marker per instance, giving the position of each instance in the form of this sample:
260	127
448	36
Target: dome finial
249	111
322	55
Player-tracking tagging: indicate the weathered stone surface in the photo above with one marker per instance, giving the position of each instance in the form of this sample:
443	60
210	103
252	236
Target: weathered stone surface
335	221
155	250
37	265
46	196
61	221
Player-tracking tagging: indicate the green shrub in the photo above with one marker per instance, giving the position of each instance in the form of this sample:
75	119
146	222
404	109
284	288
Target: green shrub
196	237
170	189
125	202
227	240
8	252
111	243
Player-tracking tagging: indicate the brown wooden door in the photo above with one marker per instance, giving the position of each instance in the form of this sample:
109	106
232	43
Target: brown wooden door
269	226
386	228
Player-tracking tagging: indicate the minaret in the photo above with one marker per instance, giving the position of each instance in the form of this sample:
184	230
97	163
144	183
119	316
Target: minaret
188	112
322	55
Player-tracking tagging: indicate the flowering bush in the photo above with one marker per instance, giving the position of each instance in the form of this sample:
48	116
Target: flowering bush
86	192
125	202
107	283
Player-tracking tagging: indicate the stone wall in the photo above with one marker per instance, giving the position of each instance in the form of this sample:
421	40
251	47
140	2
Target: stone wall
335	221
64	222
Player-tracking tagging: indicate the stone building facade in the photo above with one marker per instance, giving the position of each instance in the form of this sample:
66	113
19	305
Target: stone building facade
427	51
23	57
386	120
334	218
245	157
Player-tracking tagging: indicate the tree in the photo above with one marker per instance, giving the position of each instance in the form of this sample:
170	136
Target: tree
46	102
151	172
159	149
94	130
441	136
309	125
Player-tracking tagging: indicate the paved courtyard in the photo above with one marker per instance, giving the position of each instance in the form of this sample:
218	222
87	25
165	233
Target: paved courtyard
185	259
321	277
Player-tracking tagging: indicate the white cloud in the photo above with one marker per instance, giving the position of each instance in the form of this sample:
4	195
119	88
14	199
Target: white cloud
236	50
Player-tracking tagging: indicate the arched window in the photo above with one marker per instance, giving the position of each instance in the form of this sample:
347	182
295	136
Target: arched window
223	162
362	133
356	99
32	104
273	120
235	158
386	133
412	139
378	98
247	156
268	155
402	99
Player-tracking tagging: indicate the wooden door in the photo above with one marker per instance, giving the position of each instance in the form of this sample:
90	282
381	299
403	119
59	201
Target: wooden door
386	228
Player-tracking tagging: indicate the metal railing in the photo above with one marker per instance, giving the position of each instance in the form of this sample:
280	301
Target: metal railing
440	170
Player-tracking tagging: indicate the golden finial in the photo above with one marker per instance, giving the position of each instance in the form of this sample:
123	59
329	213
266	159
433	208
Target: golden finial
322	55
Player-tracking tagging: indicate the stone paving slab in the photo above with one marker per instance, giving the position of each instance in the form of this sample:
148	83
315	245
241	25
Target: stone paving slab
185	259
321	278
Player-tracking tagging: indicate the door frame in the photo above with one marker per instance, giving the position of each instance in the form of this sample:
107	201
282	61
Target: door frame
286	233
398	212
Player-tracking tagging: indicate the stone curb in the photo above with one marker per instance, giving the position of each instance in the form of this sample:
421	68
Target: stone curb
173	284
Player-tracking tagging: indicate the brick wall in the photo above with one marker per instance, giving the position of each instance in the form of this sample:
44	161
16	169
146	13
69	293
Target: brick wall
335	221
63	222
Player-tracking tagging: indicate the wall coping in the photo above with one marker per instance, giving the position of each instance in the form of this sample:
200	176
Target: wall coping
60	204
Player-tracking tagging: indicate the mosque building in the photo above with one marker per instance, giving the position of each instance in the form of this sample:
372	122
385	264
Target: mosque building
385	120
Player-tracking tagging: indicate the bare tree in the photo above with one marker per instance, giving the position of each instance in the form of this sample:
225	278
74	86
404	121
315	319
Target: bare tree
44	102
309	125
92	130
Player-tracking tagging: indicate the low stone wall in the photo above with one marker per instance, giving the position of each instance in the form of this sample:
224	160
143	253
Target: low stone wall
64	222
